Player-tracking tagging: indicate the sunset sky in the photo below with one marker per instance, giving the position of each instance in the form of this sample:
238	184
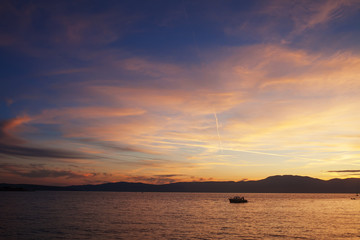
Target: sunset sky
160	91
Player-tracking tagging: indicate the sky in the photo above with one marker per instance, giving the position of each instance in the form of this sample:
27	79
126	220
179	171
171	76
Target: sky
185	90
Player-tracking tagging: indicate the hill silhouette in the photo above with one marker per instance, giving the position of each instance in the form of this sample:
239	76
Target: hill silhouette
273	184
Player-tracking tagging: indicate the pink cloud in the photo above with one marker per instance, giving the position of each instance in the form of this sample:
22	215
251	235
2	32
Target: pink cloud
320	12
166	119
252	69
61	114
194	102
9	127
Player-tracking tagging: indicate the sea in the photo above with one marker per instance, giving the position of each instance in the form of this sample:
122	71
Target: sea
128	215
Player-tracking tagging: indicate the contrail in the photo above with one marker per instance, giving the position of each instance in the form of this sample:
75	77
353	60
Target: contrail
217	130
238	150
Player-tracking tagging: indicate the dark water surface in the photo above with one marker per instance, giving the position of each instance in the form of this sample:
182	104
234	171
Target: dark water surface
117	215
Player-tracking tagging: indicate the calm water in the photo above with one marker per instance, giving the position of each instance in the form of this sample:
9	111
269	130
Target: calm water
108	215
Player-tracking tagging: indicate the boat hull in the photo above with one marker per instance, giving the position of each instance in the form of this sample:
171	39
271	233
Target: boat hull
237	200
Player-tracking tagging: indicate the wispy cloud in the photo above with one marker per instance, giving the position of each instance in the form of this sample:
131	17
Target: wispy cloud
285	22
115	146
13	146
73	27
41	172
345	171
41	152
6	126
319	12
60	114
168	120
135	91
165	179
169	175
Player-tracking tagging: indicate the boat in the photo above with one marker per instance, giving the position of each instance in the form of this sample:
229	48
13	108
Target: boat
238	199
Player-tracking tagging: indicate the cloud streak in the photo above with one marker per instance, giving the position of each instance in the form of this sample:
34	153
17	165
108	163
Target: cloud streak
167	120
345	171
125	87
12	146
39	172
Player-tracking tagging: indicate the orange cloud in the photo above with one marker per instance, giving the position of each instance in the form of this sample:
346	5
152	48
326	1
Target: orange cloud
60	114
265	68
7	129
274	104
182	101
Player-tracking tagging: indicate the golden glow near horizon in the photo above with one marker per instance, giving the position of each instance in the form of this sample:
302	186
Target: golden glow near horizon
287	105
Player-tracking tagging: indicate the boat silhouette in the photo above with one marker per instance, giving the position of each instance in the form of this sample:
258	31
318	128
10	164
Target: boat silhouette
238	199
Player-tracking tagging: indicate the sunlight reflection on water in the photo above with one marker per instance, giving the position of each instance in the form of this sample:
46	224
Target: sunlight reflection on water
116	215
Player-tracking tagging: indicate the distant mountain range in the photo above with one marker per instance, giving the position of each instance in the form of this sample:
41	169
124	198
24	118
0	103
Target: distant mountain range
273	184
